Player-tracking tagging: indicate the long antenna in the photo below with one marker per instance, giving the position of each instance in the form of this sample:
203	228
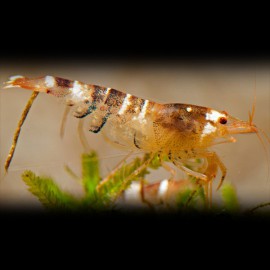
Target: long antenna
252	113
18	129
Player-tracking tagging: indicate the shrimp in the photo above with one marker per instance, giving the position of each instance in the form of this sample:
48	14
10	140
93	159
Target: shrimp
182	133
160	194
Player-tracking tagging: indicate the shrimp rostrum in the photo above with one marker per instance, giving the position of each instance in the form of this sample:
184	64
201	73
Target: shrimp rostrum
181	133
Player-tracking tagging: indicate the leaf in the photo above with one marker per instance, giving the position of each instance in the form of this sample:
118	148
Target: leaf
190	199
183	197
229	197
90	173
121	179
156	162
48	193
101	196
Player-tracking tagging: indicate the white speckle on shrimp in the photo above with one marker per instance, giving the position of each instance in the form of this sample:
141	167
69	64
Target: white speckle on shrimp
208	129
13	78
163	188
10	83
49	81
125	104
77	89
142	114
107	92
189	109
214	115
132	194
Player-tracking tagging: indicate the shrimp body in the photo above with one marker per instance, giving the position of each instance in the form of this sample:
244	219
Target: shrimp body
179	131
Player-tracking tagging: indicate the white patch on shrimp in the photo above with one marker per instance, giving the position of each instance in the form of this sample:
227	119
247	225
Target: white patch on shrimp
107	92
125	104
142	114
77	89
214	115
10	83
133	193
13	78
163	188
49	81
208	129
189	109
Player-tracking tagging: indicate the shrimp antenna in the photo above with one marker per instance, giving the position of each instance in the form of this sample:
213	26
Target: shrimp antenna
265	152
18	129
251	117
252	113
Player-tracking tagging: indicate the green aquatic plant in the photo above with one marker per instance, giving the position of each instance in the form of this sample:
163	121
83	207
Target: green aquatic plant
102	193
48	192
52	197
229	197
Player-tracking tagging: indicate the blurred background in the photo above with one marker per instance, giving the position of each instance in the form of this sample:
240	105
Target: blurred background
40	148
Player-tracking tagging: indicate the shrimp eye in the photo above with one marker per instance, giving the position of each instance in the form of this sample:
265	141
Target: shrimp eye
222	120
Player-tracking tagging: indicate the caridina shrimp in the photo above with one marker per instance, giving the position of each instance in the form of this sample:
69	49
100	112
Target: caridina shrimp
181	133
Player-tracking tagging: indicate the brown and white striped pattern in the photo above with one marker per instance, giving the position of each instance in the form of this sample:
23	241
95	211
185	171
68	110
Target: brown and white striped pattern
100	101
88	99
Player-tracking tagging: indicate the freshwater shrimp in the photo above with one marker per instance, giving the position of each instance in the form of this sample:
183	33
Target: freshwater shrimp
162	193
182	133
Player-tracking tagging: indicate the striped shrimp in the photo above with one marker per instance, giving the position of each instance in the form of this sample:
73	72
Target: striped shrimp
182	133
159	194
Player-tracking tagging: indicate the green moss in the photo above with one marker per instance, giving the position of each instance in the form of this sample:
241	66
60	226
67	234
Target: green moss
229	197
48	193
101	193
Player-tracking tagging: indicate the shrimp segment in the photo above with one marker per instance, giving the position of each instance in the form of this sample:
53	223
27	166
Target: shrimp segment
181	132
